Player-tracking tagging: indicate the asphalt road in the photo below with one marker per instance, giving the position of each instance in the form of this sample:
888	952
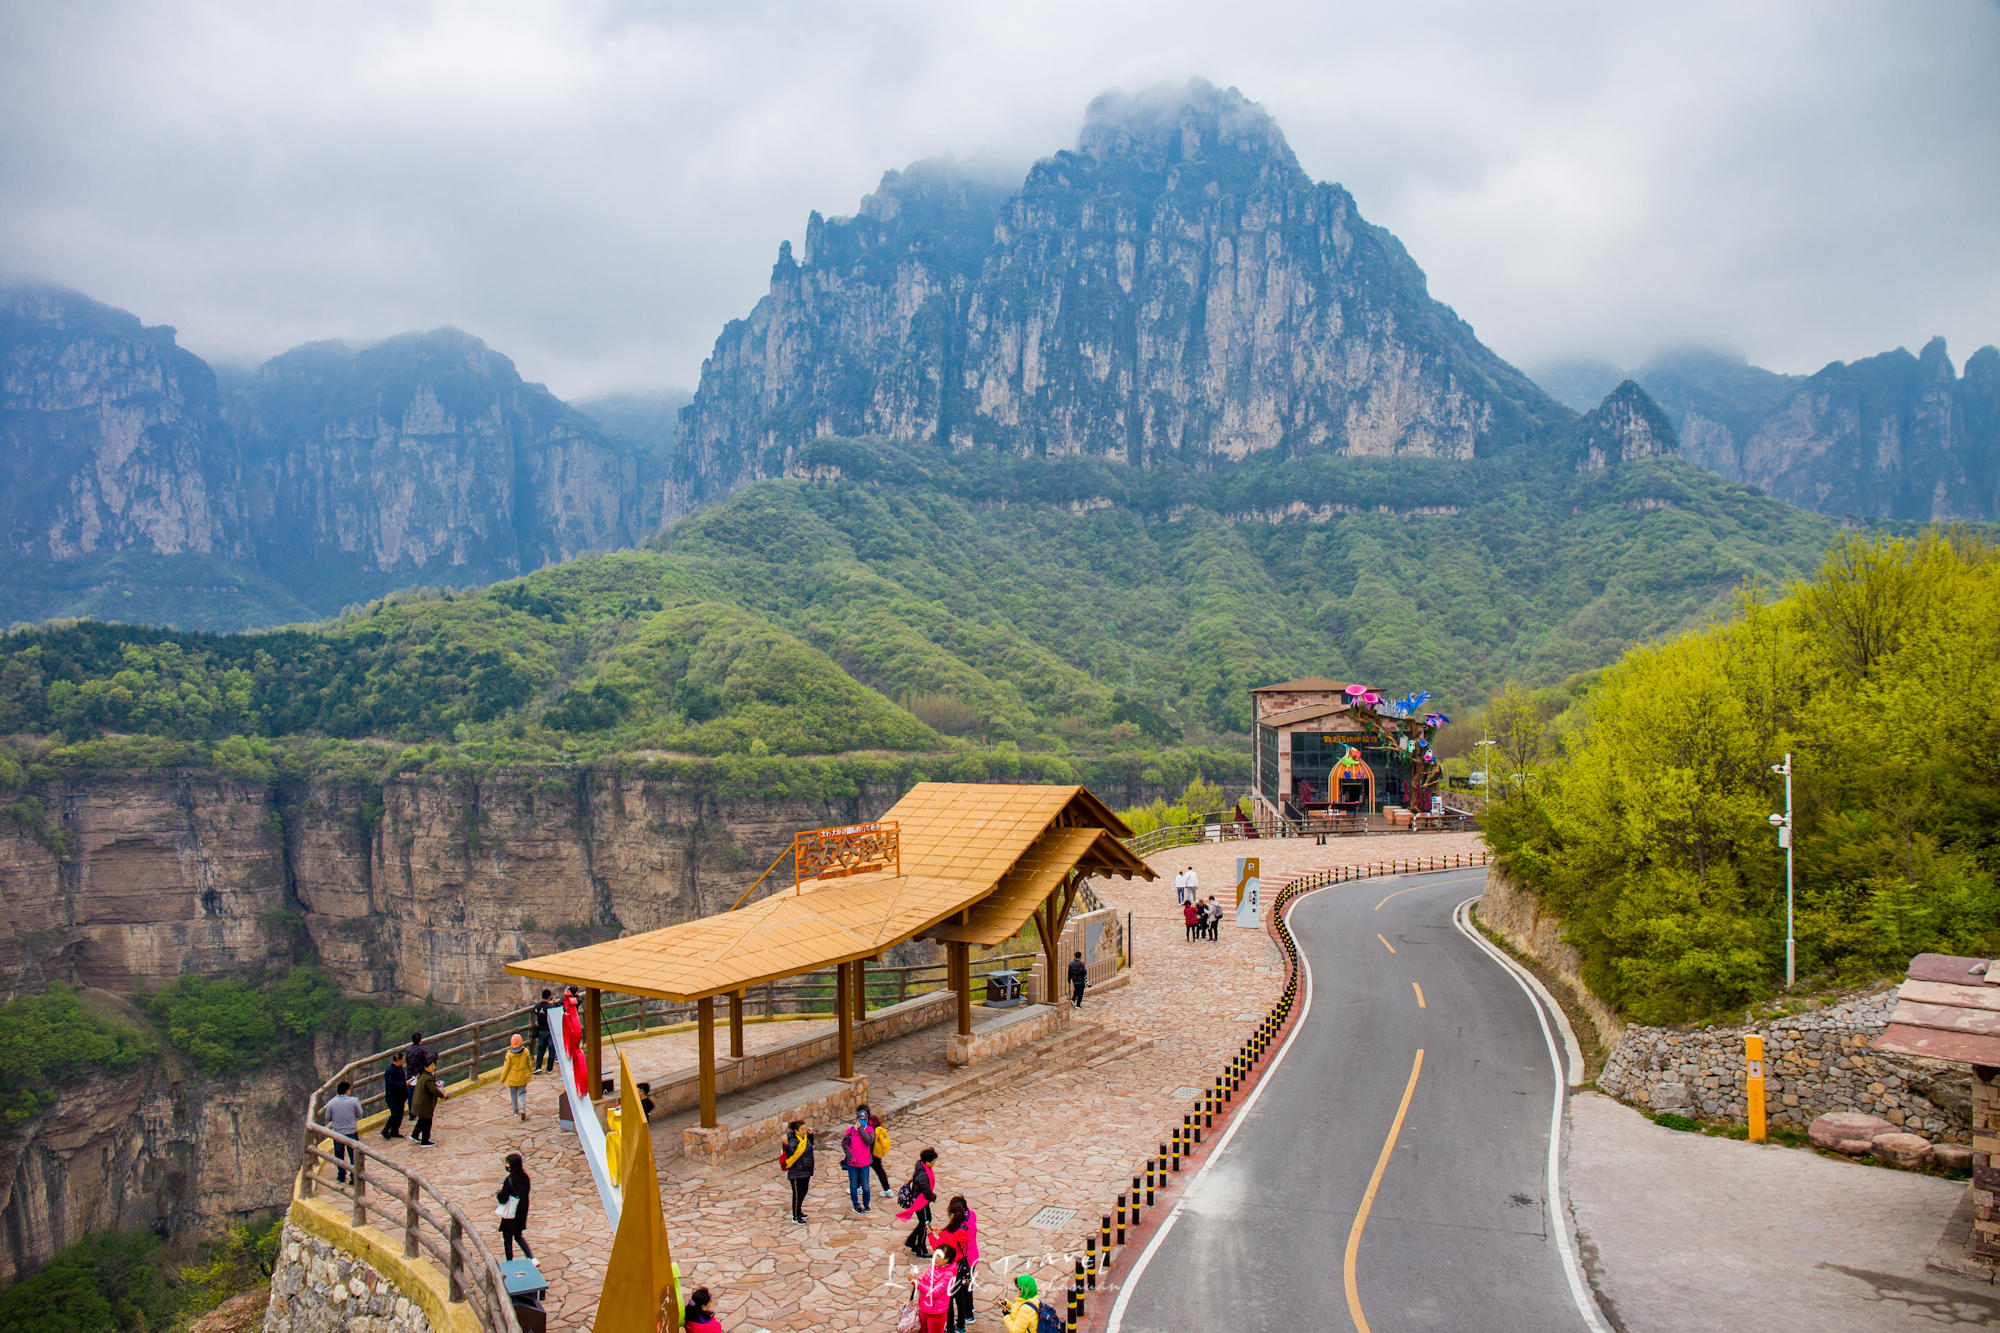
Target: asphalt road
1457	1236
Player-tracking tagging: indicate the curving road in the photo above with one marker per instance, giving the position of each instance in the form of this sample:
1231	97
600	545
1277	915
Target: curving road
1458	1229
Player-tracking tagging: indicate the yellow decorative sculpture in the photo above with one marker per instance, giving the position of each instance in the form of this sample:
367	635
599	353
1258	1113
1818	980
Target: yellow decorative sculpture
640	1294
614	1147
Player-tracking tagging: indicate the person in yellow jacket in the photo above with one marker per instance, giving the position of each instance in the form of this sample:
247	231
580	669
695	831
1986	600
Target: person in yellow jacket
517	1073
1021	1316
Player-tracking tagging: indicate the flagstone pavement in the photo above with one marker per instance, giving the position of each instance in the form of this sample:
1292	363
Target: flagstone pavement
1071	1139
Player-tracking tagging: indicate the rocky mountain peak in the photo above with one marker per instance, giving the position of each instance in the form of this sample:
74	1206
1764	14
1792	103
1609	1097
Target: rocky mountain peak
1159	128
1628	424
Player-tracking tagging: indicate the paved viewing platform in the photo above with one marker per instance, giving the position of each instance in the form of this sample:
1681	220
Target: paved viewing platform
1063	1122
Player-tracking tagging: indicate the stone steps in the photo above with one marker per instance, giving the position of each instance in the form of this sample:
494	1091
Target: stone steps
1079	1046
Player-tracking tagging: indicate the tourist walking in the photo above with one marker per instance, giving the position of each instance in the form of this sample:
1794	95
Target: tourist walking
1194	885
343	1117
514	1220
882	1145
917	1196
858	1152
1079	977
961	1233
416	1055
1180	887
515	1073
1024	1315
1191	913
396	1090
1214	918
423	1104
545	1046
696	1317
797	1160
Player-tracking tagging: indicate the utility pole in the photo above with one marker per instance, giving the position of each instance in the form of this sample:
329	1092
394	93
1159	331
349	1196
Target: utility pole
1784	823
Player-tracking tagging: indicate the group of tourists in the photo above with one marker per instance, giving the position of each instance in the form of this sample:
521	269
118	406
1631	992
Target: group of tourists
941	1295
1201	915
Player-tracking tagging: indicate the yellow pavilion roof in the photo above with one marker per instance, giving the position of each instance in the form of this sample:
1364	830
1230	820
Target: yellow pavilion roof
977	859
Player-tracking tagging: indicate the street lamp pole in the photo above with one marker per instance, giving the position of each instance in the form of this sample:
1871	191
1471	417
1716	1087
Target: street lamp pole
1784	823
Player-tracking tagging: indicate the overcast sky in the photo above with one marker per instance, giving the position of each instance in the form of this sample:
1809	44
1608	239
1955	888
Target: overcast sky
594	188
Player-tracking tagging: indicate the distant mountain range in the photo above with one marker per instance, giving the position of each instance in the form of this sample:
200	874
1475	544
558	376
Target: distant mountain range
1895	436
1174	296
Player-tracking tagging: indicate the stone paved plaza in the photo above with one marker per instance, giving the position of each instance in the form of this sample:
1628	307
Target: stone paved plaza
1070	1139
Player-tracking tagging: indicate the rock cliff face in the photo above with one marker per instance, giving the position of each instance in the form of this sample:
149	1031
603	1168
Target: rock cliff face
1175	288
1895	436
1626	425
422	887
332	477
161	1146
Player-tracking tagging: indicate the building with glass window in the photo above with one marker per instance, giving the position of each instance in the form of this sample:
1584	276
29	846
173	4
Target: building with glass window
1327	746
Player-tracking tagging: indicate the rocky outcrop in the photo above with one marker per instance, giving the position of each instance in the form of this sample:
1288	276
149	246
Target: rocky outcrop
334	476
423	887
1626	425
160	1146
1175	288
110	436
1895	436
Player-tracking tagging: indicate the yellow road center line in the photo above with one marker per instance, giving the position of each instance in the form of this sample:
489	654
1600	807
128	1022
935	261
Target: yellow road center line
1399	893
1420	996
1368	1199
1385	943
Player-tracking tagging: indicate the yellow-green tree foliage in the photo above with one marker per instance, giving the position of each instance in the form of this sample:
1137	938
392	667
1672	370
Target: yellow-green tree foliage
1648	835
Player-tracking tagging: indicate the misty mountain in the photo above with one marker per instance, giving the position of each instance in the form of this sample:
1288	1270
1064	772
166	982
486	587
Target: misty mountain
1895	436
1175	288
137	489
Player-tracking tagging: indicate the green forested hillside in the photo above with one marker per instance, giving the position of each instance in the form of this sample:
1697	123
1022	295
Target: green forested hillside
1646	829
1094	620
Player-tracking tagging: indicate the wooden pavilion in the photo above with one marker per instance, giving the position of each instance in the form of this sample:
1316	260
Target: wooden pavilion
961	863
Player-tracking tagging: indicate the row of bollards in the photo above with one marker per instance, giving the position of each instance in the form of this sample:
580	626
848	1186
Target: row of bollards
1188	1135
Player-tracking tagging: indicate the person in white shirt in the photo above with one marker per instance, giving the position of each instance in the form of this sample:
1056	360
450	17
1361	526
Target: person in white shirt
1180	888
1193	885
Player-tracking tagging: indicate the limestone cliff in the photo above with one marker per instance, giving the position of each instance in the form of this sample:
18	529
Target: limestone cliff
137	490
1174	288
1894	436
1626	425
422	887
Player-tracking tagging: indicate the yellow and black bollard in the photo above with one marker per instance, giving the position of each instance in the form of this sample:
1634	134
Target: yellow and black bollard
1089	1268
1104	1240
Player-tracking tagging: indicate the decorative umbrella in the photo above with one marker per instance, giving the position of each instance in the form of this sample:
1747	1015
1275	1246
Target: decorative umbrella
1355	691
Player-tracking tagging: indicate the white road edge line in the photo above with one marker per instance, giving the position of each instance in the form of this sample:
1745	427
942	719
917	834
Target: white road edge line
1131	1280
1579	1288
1574	1051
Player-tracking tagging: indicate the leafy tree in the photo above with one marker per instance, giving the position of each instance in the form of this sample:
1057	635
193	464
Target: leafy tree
108	1281
47	1038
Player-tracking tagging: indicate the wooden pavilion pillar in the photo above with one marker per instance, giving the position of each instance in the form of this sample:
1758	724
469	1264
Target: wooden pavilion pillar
736	1025
1050	918
861	990
704	1009
843	1008
958	962
593	1041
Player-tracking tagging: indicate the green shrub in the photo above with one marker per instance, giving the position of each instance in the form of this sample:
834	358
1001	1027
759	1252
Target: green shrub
232	1026
108	1282
46	1038
1669	1120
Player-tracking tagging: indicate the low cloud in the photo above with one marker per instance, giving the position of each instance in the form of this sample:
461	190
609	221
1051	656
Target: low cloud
595	188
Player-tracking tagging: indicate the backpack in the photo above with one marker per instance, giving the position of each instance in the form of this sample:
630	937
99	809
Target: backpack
882	1142
906	1194
1047	1320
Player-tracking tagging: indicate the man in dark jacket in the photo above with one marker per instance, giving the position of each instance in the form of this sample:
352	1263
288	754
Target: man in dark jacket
396	1089
1079	977
544	1048
416	1056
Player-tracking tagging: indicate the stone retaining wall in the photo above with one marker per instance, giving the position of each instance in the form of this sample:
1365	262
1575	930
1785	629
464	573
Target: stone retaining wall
1813	1063
319	1288
996	1037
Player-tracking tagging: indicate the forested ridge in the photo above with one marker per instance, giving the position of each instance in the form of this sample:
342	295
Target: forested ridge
1025	618
1641	818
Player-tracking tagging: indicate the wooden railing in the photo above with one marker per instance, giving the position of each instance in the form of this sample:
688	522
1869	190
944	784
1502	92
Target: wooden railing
400	1200
1200	828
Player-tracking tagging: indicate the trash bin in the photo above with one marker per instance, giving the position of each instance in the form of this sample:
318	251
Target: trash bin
1003	989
